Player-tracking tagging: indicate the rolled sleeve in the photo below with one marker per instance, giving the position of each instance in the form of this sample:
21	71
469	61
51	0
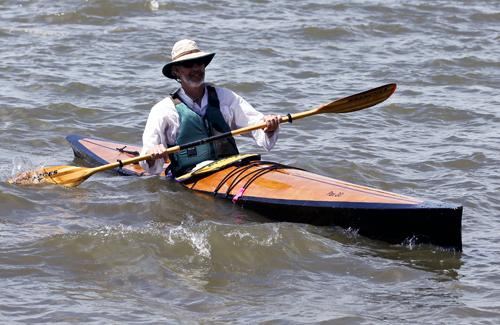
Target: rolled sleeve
161	128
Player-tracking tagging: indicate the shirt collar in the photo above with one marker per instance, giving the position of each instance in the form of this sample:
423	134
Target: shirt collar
192	105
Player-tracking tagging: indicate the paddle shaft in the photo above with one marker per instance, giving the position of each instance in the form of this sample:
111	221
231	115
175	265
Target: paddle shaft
187	145
344	105
283	119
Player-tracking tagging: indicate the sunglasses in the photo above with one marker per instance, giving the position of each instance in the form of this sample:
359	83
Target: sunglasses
191	63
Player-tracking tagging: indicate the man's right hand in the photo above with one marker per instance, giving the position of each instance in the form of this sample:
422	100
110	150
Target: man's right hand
157	152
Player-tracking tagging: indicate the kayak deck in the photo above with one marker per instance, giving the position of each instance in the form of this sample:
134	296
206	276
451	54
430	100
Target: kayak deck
284	193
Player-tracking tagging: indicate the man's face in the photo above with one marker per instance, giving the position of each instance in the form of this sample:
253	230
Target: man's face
191	73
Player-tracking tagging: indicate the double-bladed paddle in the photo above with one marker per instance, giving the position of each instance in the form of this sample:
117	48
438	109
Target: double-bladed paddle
71	176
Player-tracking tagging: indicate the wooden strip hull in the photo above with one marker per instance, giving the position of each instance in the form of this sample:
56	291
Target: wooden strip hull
286	194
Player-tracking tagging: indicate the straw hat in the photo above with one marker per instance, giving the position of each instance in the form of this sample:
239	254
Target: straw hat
185	50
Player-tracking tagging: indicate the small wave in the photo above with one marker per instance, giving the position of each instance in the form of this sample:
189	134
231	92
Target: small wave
106	9
206	246
483	17
246	87
305	75
471	161
383	29
12	204
431	113
98	12
463	62
5	33
36	32
291	63
323	6
454	79
267	51
322	33
79	88
60	18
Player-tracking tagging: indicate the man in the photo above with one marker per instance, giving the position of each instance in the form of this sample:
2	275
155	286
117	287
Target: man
195	111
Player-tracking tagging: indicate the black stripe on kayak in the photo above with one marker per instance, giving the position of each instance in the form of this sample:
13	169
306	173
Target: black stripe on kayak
426	223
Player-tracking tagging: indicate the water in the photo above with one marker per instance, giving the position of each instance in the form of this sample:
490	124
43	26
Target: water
121	249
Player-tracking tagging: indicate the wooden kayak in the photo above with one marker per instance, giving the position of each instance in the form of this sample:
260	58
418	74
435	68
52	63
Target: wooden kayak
285	193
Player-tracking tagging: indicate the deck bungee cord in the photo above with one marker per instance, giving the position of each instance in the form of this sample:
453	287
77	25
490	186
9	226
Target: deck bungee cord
253	175
133	153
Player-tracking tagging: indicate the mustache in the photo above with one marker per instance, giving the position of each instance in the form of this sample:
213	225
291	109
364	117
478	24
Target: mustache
197	74
194	76
194	79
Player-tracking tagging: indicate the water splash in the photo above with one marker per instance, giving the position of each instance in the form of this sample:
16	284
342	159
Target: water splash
20	164
191	232
268	240
24	172
410	243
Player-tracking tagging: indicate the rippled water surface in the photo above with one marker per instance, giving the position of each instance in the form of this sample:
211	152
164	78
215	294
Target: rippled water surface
143	250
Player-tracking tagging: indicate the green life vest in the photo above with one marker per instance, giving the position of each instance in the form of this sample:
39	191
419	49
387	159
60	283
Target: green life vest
193	127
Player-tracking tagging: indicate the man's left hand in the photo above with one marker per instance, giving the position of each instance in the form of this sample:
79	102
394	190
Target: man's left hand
272	123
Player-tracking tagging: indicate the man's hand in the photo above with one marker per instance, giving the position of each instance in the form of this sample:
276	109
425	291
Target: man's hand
157	152
272	123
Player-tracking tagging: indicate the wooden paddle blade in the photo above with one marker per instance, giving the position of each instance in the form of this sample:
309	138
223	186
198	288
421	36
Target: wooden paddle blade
68	176
359	101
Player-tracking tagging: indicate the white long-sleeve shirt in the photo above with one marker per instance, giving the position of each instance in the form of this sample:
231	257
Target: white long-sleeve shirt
162	126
